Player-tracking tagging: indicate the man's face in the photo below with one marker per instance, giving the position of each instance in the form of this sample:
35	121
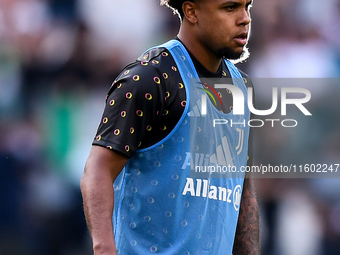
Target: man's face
223	26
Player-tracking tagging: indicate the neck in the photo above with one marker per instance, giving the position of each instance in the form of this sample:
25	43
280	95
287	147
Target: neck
209	60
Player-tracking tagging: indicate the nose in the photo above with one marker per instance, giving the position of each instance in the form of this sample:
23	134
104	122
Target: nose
244	18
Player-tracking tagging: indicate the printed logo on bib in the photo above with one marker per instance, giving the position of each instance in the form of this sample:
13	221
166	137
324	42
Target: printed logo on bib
237	197
202	188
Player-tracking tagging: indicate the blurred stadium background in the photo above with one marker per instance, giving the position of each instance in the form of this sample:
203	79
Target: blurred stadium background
59	57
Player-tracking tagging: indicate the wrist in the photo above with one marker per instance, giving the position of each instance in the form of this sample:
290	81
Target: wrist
104	248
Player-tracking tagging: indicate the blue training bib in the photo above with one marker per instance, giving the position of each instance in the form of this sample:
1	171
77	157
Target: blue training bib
165	203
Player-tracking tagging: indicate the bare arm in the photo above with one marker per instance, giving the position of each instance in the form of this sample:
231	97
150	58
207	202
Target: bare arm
247	231
101	169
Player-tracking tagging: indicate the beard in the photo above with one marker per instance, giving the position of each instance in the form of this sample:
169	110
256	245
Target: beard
232	55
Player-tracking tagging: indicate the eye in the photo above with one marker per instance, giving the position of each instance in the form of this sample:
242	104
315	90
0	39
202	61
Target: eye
230	7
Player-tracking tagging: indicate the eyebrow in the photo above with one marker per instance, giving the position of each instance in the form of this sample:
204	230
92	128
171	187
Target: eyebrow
236	2
230	2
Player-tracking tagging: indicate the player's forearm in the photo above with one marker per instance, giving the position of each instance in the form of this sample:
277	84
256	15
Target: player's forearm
247	232
98	197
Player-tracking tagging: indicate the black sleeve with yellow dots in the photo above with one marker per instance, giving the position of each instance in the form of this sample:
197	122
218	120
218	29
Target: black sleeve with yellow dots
143	104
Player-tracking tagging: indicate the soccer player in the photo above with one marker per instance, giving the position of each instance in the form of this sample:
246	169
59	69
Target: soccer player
142	187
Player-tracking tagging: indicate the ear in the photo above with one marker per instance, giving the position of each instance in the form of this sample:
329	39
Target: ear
189	11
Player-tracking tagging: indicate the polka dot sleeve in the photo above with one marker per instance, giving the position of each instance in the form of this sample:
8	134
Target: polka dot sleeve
132	108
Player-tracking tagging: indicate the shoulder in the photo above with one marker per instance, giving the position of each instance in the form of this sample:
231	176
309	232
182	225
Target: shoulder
150	62
153	54
160	59
244	75
248	82
149	70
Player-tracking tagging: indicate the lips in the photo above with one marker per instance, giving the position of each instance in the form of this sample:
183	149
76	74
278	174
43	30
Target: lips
241	38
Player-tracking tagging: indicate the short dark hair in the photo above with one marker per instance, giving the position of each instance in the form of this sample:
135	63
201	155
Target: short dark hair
175	5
